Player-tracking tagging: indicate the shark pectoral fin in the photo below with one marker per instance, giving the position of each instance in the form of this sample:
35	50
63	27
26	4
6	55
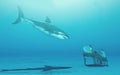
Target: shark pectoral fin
47	20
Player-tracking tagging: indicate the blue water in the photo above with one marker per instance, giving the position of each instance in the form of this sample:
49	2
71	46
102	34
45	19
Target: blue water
94	22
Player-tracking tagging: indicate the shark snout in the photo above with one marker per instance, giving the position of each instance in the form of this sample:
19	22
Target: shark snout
66	37
63	35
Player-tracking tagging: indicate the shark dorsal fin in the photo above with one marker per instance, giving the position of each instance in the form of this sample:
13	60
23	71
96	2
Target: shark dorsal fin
47	66
47	20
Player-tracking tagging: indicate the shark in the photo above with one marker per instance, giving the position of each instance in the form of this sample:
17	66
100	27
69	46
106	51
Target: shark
45	68
46	27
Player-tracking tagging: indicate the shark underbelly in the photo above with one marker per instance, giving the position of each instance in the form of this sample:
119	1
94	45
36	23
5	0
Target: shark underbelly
38	27
42	29
52	33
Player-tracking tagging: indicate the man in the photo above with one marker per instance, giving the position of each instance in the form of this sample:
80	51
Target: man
89	52
104	58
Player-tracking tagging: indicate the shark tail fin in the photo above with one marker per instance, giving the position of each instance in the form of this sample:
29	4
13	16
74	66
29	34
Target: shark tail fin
20	16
